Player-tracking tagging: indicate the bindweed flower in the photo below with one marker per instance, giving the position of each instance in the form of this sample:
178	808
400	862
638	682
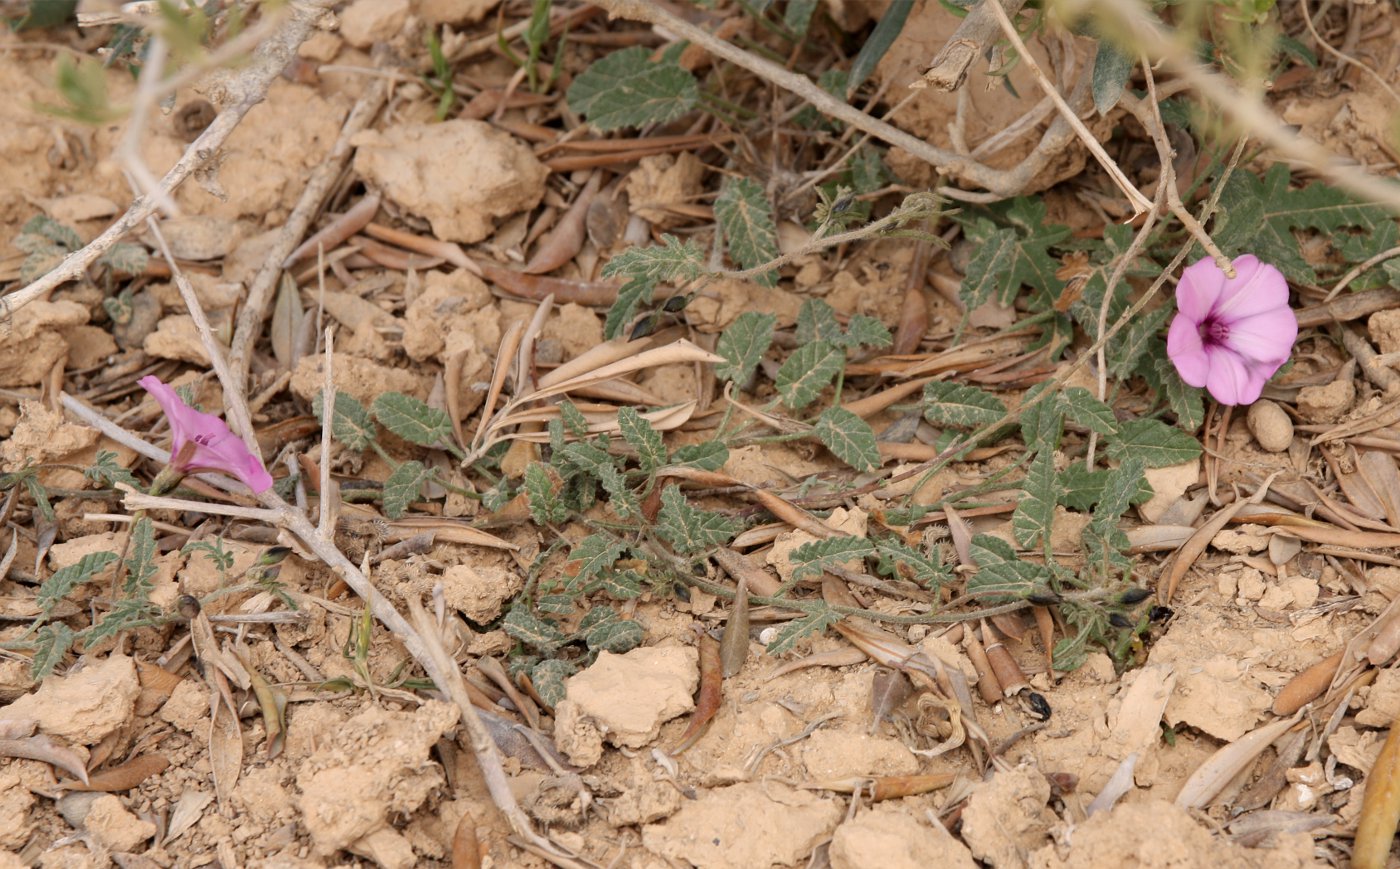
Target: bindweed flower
1231	334
203	442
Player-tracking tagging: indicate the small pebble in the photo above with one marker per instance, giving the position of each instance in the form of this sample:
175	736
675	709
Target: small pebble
1270	426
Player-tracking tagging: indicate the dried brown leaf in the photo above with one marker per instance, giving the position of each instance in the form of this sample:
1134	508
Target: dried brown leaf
1380	807
121	778
711	695
1211	777
888	690
45	750
734	642
566	239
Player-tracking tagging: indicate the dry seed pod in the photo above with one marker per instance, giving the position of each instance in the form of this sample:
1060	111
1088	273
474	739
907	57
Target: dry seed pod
987	685
1008	672
1308	685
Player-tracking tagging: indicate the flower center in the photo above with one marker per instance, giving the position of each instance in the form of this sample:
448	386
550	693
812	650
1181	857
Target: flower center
204	440
1214	331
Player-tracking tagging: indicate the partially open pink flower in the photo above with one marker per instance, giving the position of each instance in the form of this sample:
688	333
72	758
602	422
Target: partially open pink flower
202	442
1231	334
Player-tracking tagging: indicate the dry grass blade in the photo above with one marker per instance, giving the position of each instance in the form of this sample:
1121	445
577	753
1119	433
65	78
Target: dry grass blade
677	353
1220	768
1193	547
535	287
510	341
356	218
746	573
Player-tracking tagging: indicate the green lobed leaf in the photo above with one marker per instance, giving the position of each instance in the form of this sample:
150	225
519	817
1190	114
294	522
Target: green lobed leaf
745	218
140	561
865	331
689	529
1082	407
106	472
1128	347
614	635
549	678
402	487
954	404
630	296
637	431
573	419
672	261
1080	489
849	438
707	456
557	604
533	631
65	579
1119	488
46	227
808	371
586	457
627	89
351	425
1042	419
810	559
620	584
900	560
1035	511
1259	215
1157	444
743	344
1112	71
51	643
620	496
798	15
989	274
795	631
593	554
1184	400
546	504
411	419
1002	575
816	321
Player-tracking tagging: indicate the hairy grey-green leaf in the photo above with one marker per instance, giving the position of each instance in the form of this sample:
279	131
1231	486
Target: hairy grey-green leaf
960	406
546	505
689	529
1156	443
351	425
627	89
707	456
639	434
402	488
411	419
531	630
849	438
65	579
745	218
796	630
810	559
743	344
593	554
808	371
548	677
1035	510
1088	411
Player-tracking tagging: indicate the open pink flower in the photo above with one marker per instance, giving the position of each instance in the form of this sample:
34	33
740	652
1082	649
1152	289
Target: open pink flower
202	442
1231	334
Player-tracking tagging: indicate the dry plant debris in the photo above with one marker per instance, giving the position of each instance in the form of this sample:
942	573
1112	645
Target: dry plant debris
515	433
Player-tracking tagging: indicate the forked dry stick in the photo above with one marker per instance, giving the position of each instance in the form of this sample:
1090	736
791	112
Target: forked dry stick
1139	202
243	90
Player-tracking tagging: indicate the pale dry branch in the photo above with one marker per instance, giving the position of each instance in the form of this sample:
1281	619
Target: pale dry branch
1139	202
1000	182
323	178
948	69
243	90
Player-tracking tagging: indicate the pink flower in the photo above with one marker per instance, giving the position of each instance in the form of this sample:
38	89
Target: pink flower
1231	334
202	442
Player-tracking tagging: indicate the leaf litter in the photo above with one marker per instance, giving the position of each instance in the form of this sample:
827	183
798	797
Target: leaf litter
875	466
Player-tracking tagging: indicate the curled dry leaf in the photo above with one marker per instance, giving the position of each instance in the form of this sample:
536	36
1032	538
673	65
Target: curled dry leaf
1380	807
123	777
466	852
1220	768
45	750
566	239
734	642
1117	785
885	787
1308	685
707	702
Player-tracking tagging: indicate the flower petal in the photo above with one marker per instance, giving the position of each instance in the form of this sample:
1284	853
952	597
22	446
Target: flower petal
216	448
1199	289
1265	338
1231	381
1257	288
1186	352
